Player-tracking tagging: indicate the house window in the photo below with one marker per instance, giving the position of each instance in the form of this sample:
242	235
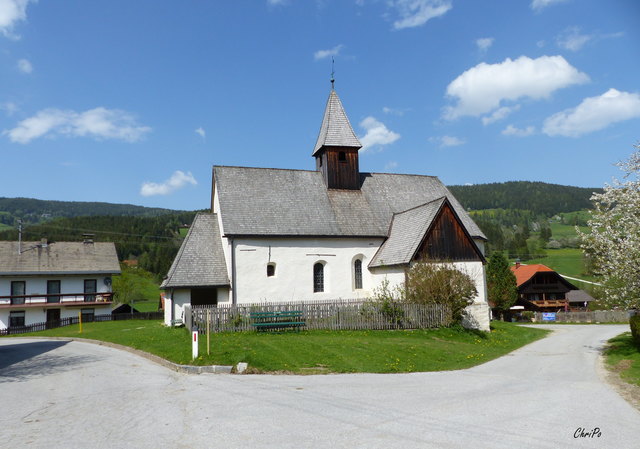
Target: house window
318	278
342	156
53	287
271	269
88	315
357	274
18	288
16	319
90	286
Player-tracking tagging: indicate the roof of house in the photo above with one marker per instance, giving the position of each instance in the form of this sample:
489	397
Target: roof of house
406	233
200	261
524	273
579	296
277	202
62	258
336	129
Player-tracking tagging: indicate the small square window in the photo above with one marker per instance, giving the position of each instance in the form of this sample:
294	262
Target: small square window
271	270
16	319
342	156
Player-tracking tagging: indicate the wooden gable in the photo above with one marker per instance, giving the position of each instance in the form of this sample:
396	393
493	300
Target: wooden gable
448	240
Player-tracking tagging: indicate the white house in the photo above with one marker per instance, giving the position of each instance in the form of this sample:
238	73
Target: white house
329	233
45	282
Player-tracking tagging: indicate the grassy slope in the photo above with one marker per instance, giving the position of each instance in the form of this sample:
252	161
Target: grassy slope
310	352
624	357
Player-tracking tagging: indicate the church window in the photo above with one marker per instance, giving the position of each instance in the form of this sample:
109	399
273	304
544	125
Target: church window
271	269
357	274
342	156
318	278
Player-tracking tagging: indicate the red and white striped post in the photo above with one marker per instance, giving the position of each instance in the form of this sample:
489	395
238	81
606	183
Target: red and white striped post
194	342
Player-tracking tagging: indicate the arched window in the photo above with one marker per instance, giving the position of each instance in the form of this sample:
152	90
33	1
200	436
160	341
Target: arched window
271	269
357	274
318	277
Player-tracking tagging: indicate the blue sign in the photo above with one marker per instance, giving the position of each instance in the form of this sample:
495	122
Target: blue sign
550	316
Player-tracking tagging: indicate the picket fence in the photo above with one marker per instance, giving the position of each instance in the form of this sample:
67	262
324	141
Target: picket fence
597	316
344	314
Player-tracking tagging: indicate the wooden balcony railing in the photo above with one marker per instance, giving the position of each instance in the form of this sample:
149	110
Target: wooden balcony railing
55	300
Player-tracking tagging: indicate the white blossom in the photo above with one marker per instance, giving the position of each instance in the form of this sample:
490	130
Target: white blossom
613	242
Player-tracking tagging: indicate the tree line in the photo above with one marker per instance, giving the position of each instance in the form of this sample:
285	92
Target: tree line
152	241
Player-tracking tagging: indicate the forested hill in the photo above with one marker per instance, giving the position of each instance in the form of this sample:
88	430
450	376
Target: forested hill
32	211
538	197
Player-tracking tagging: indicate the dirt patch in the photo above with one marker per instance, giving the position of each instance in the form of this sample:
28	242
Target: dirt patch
630	393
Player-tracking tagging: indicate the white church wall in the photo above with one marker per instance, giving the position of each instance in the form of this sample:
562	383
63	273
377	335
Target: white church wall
294	259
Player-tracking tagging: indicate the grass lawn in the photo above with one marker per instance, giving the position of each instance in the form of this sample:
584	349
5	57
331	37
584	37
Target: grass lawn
313	352
566	261
623	357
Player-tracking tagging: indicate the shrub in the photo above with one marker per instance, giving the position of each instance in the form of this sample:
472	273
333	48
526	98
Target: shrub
634	323
386	300
527	316
431	283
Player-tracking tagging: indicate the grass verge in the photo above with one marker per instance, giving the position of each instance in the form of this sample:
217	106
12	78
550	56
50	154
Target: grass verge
623	356
314	352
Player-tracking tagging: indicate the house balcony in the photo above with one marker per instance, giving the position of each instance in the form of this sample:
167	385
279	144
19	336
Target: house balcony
551	304
56	300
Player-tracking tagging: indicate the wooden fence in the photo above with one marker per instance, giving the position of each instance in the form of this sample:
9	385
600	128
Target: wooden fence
598	316
74	320
347	314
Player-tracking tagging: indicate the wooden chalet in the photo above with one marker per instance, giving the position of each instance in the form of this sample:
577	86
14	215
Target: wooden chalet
541	289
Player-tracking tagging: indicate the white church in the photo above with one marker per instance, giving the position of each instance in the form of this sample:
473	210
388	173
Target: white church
334	232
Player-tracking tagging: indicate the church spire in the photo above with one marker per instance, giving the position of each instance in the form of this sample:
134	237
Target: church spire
336	149
336	130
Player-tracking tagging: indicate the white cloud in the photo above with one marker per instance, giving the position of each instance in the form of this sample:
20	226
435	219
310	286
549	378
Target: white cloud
201	132
377	134
391	165
594	114
11	12
414	13
539	5
178	180
571	39
447	141
322	54
499	114
276	2
393	111
482	88
24	65
518	132
484	43
99	123
9	108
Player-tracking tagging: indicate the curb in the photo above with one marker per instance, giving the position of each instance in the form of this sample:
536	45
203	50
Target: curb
184	369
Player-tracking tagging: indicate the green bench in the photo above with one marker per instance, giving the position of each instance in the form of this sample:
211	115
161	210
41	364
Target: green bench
263	321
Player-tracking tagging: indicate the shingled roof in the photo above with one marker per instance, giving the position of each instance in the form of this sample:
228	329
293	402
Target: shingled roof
276	202
200	260
58	258
407	230
336	130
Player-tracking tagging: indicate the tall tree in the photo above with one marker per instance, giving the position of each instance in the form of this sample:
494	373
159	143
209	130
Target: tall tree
501	283
613	243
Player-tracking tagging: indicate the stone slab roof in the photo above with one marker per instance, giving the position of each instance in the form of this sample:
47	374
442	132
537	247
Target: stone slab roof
200	261
62	258
336	130
406	233
277	202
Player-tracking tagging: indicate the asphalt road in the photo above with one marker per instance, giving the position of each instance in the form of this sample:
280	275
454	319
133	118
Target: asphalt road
56	394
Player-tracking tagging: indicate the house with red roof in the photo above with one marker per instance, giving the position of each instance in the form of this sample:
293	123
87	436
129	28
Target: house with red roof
541	289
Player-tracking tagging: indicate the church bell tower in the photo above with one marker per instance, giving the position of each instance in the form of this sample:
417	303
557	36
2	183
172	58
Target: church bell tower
336	150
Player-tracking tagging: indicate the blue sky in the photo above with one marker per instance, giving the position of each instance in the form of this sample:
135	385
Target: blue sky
134	101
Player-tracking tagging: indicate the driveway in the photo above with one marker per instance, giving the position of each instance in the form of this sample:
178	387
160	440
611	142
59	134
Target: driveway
56	394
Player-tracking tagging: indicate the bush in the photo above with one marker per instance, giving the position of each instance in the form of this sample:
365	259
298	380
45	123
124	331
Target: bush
431	283
386	300
634	323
